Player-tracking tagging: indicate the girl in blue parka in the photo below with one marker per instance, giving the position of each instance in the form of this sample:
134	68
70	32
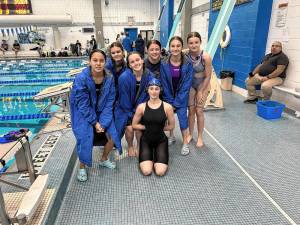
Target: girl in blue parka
176	77
116	63
91	102
132	92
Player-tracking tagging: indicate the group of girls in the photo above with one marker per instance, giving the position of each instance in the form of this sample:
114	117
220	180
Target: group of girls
115	97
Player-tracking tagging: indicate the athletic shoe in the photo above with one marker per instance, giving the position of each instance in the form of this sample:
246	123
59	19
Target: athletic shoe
251	101
108	164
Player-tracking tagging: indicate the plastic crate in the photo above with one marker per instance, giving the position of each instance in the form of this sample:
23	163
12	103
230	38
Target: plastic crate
269	109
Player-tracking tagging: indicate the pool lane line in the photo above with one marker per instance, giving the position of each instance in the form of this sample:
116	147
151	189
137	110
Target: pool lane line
252	180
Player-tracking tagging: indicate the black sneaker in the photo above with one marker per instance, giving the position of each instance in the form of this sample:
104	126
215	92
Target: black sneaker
251	101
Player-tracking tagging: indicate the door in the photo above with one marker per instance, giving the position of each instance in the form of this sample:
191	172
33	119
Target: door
147	35
132	33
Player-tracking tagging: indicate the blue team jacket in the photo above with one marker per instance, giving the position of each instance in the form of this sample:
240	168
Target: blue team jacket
109	66
177	98
85	112
128	100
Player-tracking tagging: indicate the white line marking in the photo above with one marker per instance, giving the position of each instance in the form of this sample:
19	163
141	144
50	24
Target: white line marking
252	180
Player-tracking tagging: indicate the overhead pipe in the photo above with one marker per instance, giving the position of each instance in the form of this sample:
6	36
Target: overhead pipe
35	20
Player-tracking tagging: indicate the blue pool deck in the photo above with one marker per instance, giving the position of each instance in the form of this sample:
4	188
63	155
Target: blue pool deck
247	173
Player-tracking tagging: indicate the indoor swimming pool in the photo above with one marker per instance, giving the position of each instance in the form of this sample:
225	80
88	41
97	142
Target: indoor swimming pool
20	80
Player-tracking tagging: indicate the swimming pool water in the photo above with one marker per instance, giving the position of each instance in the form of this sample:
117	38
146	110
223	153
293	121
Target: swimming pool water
30	70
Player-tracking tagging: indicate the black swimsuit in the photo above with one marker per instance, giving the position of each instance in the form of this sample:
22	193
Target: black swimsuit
154	143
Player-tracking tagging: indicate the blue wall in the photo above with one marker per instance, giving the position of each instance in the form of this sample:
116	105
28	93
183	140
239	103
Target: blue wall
166	22
249	26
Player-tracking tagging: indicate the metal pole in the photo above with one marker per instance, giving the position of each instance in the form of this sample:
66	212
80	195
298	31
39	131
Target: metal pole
28	158
186	21
98	23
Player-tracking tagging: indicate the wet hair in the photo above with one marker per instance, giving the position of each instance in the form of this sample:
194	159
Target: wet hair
95	51
132	53
156	42
193	34
176	38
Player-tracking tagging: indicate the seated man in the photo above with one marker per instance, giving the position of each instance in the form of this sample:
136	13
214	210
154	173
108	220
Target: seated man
16	47
4	46
269	73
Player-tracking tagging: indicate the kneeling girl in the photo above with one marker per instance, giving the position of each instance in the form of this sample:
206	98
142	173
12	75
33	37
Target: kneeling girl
153	118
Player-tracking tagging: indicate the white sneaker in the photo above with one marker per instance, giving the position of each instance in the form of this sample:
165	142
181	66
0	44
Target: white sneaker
171	140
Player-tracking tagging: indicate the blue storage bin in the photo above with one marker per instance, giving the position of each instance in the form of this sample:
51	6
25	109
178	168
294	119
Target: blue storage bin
269	109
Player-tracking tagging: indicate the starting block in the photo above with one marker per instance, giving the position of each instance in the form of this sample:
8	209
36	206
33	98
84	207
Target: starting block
59	95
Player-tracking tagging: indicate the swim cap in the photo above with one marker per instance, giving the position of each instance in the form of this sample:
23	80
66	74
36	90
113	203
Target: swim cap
154	82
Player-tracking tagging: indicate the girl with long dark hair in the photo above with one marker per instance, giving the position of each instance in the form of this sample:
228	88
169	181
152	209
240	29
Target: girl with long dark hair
91	101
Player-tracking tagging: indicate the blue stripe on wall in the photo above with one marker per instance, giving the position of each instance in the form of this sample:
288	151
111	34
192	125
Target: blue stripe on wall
166	22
